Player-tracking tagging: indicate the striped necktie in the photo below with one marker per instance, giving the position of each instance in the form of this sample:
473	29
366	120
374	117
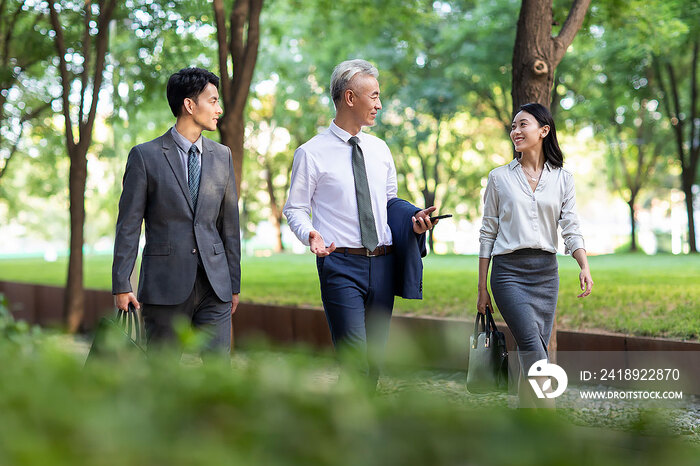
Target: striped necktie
194	172
368	229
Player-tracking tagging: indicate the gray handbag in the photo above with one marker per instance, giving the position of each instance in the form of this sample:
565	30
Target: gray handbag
488	357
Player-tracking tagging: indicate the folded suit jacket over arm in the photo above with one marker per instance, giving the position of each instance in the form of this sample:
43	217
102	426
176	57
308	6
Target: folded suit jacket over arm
409	249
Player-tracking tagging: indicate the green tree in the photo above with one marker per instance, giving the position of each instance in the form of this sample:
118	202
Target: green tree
81	37
476	39
23	56
288	106
663	39
683	111
606	83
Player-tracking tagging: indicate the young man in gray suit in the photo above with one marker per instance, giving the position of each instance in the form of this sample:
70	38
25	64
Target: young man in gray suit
182	185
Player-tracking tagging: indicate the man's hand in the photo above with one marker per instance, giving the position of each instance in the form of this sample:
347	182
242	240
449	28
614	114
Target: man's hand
122	301
317	245
421	221
234	303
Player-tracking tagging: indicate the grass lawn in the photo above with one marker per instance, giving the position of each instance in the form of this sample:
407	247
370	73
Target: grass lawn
635	294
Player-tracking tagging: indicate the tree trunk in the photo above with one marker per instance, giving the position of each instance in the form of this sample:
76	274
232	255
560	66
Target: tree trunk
232	130
688	190
279	246
633	239
533	72
74	301
240	43
275	210
536	53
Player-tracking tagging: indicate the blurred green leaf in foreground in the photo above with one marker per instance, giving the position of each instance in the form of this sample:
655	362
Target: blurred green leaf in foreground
272	408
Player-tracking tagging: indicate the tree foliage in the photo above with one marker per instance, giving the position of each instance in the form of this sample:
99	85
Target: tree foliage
445	73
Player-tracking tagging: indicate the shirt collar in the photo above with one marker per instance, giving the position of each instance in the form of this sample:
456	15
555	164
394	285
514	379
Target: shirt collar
342	134
183	143
516	161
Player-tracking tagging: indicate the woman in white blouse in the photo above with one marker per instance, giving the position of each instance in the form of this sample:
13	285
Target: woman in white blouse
524	202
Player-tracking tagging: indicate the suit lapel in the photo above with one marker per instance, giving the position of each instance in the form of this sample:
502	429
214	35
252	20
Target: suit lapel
173	157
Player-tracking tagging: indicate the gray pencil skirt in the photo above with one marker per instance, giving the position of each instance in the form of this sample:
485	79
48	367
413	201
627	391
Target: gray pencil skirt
525	286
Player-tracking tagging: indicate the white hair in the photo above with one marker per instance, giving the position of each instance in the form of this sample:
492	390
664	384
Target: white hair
345	71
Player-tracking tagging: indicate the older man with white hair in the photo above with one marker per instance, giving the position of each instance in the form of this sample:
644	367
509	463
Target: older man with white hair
345	178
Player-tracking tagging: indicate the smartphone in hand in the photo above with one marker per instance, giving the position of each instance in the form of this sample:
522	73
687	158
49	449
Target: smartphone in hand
438	217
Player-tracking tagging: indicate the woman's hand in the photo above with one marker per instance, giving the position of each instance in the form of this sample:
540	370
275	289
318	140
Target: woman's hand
586	282
483	299
584	277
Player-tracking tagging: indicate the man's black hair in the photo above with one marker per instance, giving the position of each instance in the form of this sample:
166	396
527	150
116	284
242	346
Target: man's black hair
188	83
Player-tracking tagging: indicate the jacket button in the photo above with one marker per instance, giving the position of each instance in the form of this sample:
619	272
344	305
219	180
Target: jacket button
194	251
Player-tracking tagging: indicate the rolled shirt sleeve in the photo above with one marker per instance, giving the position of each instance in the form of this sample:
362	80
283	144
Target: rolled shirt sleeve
568	221
489	222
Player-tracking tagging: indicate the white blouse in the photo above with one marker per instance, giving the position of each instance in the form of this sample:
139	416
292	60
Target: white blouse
515	217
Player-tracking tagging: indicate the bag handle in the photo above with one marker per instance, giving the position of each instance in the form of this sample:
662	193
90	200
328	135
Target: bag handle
137	322
490	322
479	320
490	326
129	321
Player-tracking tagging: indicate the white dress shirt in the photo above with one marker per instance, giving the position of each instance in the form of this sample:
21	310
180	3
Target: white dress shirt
322	190
515	217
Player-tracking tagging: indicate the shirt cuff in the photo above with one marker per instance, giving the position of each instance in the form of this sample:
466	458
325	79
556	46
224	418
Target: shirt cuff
573	243
304	236
485	249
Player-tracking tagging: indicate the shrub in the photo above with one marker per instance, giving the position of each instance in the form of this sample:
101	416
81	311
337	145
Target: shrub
272	409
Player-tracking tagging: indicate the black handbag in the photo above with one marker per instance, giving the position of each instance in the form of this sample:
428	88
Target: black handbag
118	337
488	357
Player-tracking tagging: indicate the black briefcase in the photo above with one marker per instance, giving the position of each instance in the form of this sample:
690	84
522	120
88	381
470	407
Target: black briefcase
488	357
118	337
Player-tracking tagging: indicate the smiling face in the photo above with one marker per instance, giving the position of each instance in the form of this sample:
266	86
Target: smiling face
205	108
364	100
526	133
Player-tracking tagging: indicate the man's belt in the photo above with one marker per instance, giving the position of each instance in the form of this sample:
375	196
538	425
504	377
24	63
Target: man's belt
380	251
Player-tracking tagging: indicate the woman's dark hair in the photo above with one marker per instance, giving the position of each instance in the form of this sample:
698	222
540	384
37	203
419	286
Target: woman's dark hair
550	144
188	83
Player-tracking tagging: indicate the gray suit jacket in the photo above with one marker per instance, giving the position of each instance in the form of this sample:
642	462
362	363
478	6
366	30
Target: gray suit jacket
155	191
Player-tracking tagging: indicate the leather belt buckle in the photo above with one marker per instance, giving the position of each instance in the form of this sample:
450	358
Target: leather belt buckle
368	253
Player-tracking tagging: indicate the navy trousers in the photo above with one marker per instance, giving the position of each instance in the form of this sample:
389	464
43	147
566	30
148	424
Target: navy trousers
358	298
